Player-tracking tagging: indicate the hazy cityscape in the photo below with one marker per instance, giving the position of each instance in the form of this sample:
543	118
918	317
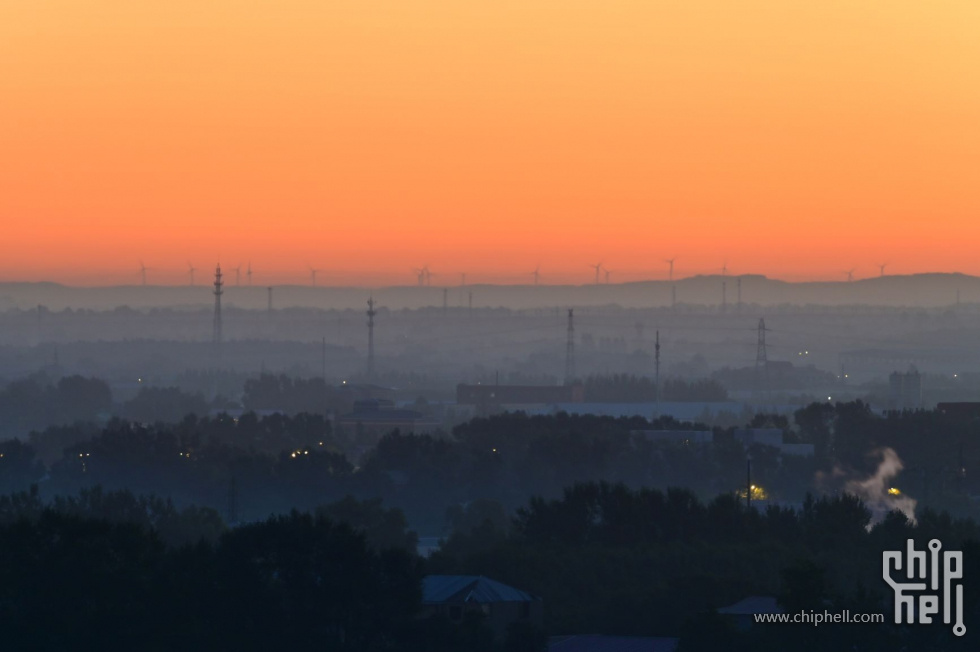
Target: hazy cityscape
464	326
427	417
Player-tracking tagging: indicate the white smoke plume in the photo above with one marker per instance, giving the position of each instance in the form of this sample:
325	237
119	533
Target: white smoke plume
873	490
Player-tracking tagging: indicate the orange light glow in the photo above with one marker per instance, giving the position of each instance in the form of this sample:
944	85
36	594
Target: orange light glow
794	139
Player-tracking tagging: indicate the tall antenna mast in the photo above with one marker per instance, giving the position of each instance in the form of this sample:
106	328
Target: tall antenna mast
761	360
656	371
217	310
570	350
370	361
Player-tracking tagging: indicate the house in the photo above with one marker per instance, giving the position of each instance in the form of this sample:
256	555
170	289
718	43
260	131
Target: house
960	411
377	417
518	394
682	437
771	437
490	399
454	596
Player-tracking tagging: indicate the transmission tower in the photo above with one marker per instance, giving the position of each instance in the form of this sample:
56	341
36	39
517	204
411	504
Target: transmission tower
761	360
370	361
570	350
656	371
217	308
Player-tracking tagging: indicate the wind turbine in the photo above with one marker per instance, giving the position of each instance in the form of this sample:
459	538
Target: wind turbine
724	268
596	267
850	275
143	270
248	272
607	271
238	275
536	274
191	269
670	274
313	275
462	279
881	268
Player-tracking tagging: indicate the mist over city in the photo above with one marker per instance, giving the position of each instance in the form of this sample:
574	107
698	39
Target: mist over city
489	327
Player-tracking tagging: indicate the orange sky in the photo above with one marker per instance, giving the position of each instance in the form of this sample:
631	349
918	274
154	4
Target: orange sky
795	139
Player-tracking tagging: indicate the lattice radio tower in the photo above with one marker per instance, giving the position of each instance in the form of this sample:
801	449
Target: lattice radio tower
371	312
218	284
656	369
761	360
570	350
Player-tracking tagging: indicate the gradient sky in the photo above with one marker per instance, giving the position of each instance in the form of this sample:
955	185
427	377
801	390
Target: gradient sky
794	139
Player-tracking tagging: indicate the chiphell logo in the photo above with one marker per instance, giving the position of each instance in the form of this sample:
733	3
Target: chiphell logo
945	570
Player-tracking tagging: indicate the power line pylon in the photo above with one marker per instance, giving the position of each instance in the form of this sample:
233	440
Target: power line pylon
656	371
218	284
570	350
762	360
370	361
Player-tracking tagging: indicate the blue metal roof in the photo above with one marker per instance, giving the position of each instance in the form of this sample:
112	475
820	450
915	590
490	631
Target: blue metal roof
460	589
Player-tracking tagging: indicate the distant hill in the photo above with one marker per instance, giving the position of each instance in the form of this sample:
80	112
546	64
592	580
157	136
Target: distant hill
918	290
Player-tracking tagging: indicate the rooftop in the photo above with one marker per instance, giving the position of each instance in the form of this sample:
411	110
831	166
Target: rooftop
461	589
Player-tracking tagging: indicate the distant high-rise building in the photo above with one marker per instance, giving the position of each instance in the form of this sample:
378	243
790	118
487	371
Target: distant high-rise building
905	390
